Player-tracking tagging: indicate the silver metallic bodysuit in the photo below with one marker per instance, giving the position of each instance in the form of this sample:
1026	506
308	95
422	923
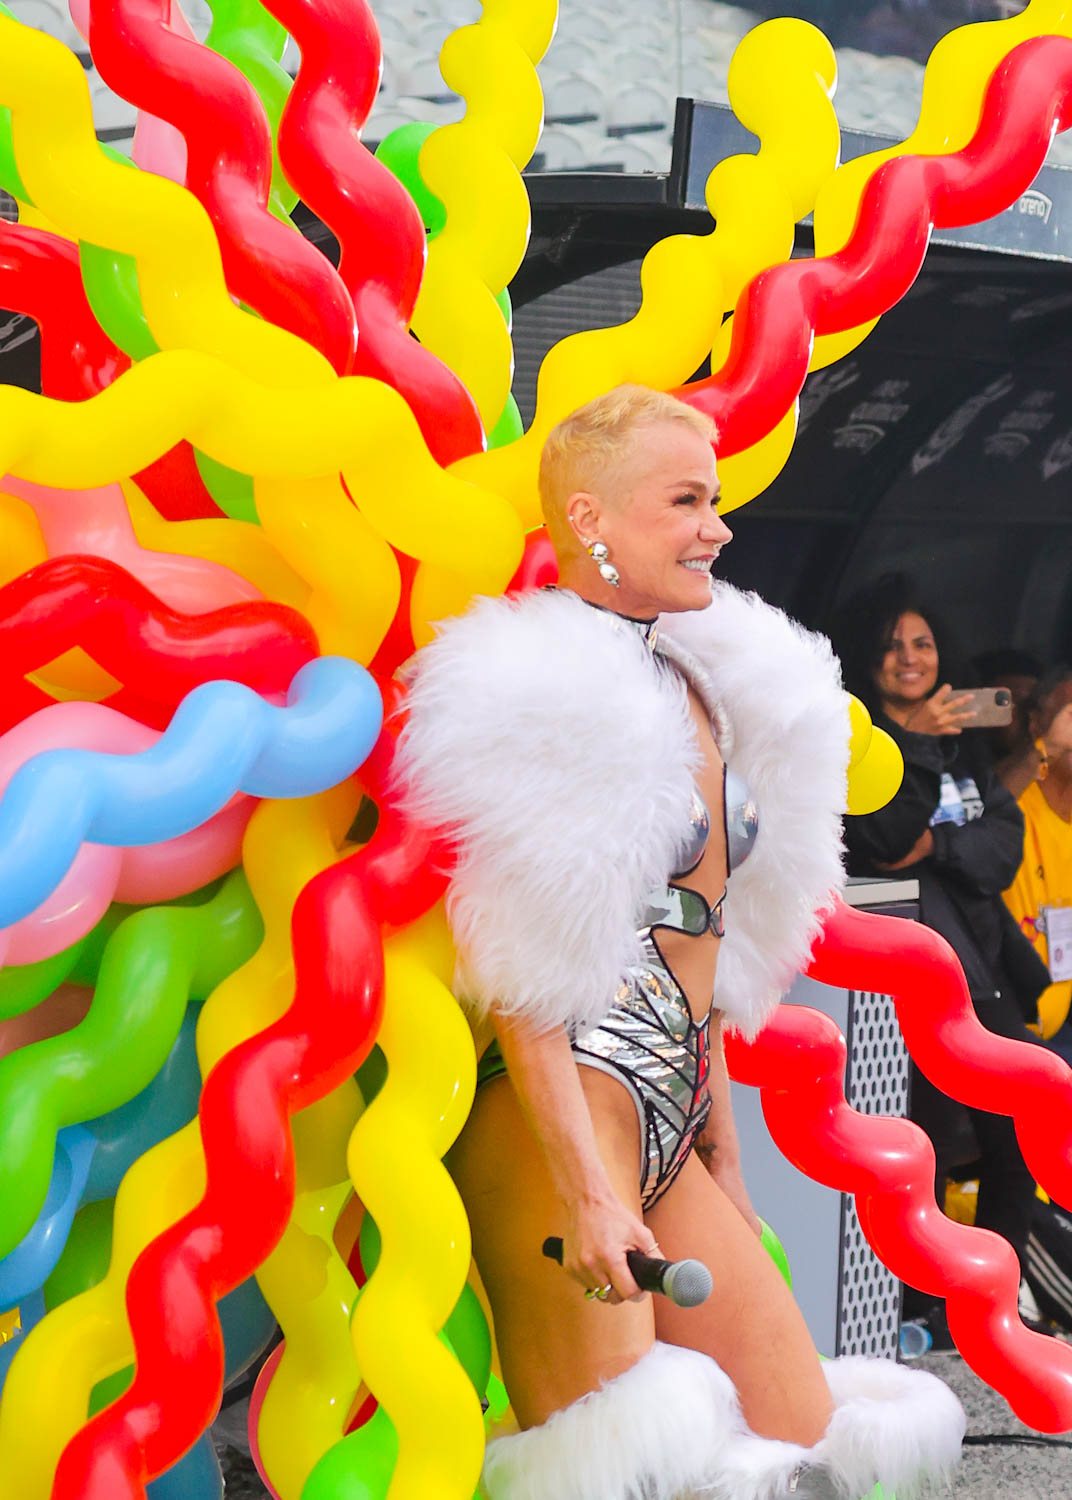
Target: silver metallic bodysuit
649	1040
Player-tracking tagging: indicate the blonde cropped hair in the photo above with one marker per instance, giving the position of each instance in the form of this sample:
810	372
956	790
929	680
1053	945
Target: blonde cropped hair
588	446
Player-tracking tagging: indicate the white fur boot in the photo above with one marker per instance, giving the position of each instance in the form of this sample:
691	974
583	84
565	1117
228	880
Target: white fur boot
891	1426
671	1429
649	1434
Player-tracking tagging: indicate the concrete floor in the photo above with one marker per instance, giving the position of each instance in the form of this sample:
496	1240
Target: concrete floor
1035	1469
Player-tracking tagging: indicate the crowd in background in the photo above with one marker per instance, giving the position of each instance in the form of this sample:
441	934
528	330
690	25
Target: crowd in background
983	821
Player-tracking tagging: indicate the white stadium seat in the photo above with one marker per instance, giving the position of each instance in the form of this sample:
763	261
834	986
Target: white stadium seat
576	99
639	108
569	148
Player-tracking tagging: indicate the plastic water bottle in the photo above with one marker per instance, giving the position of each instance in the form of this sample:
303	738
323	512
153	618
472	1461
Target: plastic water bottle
915	1340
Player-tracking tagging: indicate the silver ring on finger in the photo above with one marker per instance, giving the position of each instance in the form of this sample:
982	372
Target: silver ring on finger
600	1293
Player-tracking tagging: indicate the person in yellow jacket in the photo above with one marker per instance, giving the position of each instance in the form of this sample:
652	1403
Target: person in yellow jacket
1039	774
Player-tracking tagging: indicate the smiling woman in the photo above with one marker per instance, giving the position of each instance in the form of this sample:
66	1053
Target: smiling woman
956	828
634	866
632	478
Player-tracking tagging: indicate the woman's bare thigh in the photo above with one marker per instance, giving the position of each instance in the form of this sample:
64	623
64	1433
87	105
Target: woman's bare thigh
750	1324
555	1346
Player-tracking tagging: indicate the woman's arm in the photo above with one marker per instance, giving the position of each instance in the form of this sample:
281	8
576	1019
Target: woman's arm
717	1145
986	853
599	1228
894	836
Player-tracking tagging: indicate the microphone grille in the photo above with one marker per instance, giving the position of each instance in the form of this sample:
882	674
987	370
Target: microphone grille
688	1283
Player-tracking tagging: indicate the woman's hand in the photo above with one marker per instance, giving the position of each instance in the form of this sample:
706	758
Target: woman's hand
599	1232
942	713
923	848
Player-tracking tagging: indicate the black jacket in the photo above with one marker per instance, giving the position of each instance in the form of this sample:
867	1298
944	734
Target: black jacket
960	884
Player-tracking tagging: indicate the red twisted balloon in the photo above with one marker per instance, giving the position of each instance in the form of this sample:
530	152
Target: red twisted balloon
174	487
798	1063
158	653
266	263
782	309
245	1108
373	217
40	277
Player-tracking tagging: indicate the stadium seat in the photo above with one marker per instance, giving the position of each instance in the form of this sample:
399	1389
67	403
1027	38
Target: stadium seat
638	109
575	99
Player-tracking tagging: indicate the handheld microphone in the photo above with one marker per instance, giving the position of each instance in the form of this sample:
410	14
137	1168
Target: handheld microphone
686	1282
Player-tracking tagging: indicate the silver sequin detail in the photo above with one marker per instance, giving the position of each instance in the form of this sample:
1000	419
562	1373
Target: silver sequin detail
649	1042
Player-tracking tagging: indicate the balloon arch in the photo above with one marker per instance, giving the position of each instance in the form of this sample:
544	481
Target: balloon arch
244	495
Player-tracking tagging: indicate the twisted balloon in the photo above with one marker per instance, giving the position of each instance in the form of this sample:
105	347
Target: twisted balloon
39	277
196	564
229	159
155	962
379	230
223	738
395	1159
287	843
782	309
92	198
474	168
159	654
309	1288
782	93
957	75
798	1062
245	34
312	1048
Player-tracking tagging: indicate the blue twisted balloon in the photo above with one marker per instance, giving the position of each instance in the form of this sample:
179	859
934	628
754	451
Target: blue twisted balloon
26	1268
222	739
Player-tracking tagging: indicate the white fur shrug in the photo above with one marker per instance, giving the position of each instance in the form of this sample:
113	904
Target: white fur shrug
559	753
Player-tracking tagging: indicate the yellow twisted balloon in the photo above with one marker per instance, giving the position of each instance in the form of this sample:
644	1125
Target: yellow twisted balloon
876	767
88	1337
801	149
239	545
165	228
782	89
474	167
354	425
309	1288
395	1163
958	71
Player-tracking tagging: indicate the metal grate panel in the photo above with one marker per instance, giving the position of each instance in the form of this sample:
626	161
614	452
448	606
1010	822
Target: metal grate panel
869	1296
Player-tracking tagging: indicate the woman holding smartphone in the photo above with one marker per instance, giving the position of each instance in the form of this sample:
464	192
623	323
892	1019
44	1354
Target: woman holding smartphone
957	829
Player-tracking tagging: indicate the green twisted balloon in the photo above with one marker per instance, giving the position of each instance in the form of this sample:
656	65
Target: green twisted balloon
245	34
152	965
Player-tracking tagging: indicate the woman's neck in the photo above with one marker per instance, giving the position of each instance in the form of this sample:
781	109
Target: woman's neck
898	710
1057	787
582	579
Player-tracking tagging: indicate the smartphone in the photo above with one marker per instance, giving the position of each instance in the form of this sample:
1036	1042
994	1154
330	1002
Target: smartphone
992	705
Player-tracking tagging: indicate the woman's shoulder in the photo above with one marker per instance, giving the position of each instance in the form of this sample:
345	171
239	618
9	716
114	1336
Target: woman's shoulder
517	642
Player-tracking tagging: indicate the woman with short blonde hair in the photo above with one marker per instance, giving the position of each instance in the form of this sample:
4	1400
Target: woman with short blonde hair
643	772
